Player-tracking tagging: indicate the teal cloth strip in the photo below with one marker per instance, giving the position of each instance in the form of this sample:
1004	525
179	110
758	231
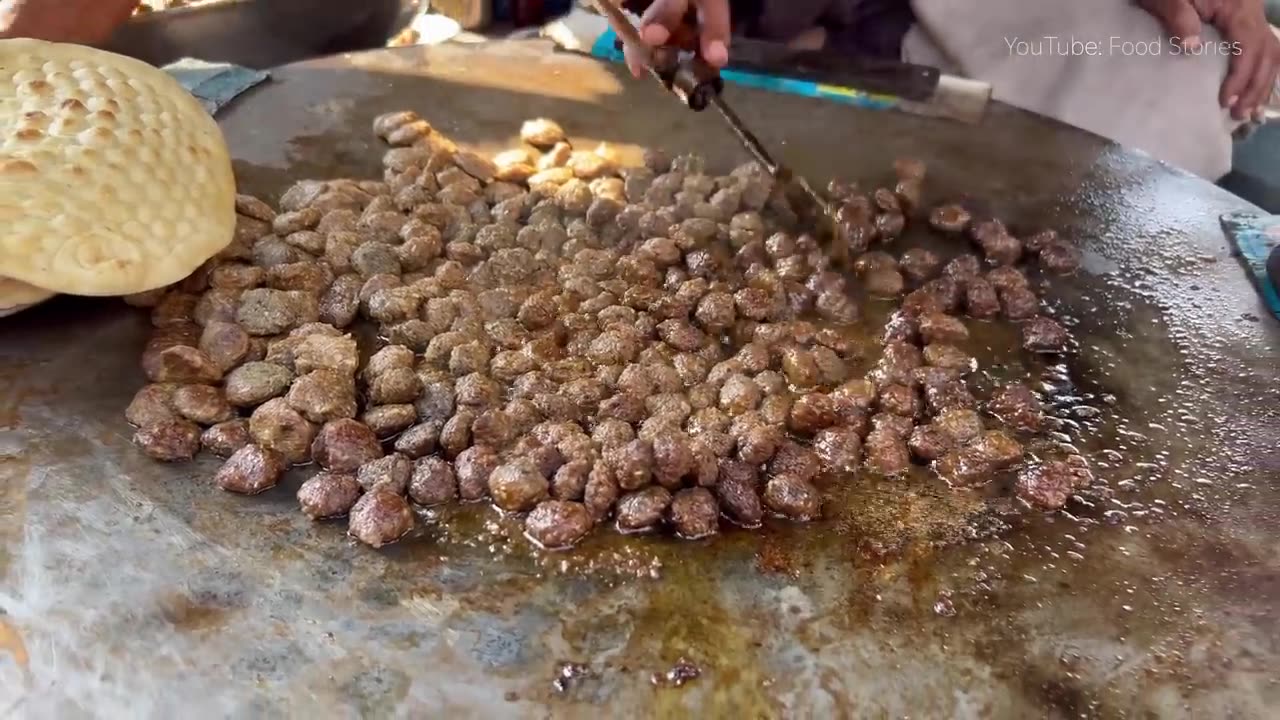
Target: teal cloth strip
1254	236
214	84
605	50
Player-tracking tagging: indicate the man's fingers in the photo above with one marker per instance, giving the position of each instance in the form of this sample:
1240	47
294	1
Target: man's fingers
652	32
1178	18
652	35
1253	50
634	64
664	17
667	13
1243	67
1183	25
713	16
1208	9
1261	81
655	34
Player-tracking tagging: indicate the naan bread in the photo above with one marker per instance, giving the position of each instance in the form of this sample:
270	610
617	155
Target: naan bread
113	178
16	296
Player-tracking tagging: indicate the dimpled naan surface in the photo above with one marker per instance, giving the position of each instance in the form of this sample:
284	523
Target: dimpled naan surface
113	178
16	296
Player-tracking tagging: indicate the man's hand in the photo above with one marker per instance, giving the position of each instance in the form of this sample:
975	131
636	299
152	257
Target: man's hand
1252	77
1256	50
664	17
74	21
1180	18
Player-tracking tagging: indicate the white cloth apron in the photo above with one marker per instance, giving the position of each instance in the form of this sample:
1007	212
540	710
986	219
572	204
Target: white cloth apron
1163	103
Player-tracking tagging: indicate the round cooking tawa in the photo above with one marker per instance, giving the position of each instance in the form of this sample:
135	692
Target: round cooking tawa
1153	599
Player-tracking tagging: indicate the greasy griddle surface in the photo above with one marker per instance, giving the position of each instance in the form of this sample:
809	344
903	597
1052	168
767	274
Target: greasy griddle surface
133	588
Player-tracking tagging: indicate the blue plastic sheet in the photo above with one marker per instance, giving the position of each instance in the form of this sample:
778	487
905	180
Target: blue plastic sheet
214	84
1255	237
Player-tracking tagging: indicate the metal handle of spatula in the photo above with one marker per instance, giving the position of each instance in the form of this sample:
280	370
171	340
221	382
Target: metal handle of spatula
684	73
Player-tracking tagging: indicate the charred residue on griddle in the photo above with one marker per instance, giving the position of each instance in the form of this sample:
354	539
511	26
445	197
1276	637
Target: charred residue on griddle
777	557
569	675
682	672
944	606
187	613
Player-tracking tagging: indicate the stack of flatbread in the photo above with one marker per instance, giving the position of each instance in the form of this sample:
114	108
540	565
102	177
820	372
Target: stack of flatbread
113	179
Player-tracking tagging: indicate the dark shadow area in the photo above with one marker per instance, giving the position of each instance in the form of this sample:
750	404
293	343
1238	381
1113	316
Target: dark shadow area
1255	173
1273	267
262	33
1253	188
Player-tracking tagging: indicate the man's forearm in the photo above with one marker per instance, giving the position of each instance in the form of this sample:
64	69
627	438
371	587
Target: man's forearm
11	18
76	21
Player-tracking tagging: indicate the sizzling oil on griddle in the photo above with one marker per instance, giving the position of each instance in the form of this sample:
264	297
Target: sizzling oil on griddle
887	550
959	551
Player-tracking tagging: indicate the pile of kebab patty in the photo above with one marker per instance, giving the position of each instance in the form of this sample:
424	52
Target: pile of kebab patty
651	347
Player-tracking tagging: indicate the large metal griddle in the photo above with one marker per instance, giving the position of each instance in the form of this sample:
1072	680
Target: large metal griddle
131	589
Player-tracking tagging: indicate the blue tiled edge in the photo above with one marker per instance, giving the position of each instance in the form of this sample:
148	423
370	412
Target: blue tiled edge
1254	236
